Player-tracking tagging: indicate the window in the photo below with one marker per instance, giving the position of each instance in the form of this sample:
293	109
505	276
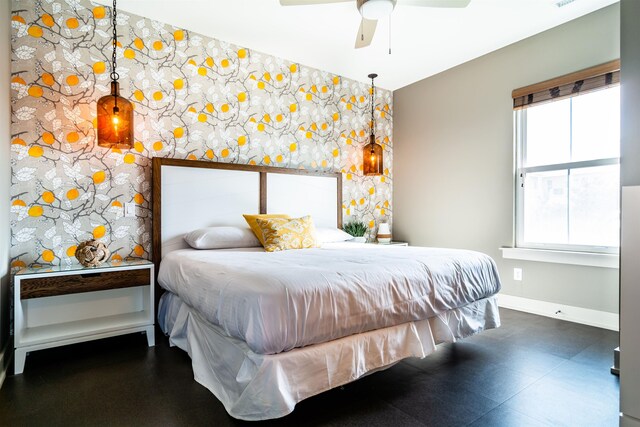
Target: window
568	172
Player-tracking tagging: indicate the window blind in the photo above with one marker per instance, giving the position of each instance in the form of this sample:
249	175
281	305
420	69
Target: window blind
580	82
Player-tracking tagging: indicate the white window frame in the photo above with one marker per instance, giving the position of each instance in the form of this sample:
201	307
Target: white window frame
520	134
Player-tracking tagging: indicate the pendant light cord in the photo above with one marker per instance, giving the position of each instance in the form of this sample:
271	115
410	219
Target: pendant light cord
389	34
372	116
114	74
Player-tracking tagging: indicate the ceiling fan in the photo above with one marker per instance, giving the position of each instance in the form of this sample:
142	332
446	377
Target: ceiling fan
372	10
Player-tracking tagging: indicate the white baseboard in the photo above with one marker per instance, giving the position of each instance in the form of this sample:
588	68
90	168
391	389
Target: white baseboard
600	319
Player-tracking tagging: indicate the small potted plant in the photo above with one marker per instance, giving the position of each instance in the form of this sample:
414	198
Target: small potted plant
357	229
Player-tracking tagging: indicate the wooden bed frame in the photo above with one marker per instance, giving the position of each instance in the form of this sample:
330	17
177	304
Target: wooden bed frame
264	172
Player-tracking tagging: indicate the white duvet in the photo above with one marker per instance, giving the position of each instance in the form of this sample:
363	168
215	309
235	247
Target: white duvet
277	301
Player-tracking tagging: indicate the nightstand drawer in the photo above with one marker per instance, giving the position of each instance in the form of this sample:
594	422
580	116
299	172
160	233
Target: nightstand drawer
85	282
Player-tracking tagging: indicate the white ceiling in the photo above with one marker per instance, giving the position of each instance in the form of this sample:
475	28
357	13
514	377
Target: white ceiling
424	41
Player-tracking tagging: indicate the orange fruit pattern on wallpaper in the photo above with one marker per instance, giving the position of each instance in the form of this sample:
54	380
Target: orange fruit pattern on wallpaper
194	98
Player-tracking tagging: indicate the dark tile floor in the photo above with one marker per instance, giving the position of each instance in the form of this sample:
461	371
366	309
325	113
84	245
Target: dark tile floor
532	371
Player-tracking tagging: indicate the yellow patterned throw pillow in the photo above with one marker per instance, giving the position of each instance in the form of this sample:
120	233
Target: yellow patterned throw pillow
288	233
252	221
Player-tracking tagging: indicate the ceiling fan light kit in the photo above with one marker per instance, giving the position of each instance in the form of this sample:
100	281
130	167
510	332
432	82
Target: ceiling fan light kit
376	9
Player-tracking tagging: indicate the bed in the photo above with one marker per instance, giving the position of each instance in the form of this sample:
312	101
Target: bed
267	330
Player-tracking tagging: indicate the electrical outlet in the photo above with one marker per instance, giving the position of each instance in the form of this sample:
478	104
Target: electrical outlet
517	274
129	210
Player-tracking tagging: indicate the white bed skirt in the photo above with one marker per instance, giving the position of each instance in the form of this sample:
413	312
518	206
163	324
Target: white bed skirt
258	387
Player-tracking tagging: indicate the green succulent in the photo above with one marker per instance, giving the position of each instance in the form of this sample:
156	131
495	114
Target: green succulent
356	228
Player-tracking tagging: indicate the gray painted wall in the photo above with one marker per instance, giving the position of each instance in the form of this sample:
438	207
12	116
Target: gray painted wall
630	106
5	176
630	250
454	156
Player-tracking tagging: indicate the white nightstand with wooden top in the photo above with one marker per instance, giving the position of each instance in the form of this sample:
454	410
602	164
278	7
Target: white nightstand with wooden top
392	243
55	306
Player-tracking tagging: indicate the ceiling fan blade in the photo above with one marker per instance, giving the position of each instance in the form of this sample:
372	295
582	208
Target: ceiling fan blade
365	32
309	2
435	3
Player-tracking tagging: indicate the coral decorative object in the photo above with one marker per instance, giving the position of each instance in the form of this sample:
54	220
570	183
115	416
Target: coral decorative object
92	253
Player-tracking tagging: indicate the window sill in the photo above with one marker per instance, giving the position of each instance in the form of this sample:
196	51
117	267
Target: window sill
590	259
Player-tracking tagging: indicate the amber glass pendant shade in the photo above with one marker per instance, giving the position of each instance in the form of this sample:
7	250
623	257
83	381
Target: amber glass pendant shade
115	120
372	160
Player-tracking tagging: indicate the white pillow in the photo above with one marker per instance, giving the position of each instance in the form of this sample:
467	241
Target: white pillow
330	235
222	238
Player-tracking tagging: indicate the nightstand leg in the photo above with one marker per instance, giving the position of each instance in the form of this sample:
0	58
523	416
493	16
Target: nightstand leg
151	336
19	358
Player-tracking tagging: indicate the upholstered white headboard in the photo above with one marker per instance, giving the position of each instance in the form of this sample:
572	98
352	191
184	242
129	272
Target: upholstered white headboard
299	195
197	197
193	194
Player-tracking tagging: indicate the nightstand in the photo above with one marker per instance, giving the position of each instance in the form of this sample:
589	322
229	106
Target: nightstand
55	306
392	243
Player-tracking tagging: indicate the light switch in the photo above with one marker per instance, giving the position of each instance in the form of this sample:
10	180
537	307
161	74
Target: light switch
129	210
517	274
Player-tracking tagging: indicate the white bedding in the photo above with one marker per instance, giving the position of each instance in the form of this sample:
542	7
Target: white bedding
282	300
259	387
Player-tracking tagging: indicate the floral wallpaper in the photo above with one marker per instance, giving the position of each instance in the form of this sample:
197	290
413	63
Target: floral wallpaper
194	98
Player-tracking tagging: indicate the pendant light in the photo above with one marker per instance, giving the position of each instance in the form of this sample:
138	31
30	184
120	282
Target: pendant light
115	114
372	152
